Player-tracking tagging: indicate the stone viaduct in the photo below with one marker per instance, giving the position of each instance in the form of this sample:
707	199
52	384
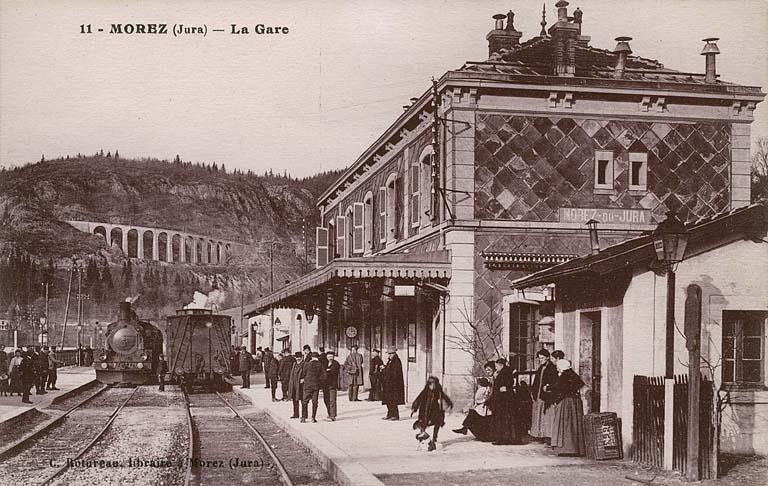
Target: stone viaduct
164	245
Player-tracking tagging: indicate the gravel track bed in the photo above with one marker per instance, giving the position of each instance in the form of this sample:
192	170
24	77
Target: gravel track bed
76	398
22	427
146	445
32	464
301	464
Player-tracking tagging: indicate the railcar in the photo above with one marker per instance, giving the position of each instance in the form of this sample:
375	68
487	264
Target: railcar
131	350
198	349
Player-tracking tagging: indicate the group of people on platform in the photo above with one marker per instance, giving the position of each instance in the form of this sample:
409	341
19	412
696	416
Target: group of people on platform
550	410
30	366
303	375
504	411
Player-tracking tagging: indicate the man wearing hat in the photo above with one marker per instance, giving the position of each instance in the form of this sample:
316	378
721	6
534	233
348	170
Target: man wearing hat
331	385
287	362
392	385
162	369
314	376
374	373
295	385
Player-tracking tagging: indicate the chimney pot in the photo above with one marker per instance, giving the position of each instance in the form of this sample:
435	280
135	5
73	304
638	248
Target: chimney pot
622	50
562	11
594	242
710	51
499	21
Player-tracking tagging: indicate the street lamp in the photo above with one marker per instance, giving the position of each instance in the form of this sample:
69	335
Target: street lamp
669	240
43	331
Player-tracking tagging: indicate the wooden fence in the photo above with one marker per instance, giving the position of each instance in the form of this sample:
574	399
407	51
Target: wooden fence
648	420
706	426
648	423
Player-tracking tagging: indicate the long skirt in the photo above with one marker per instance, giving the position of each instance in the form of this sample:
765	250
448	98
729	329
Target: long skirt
541	418
505	426
479	425
568	427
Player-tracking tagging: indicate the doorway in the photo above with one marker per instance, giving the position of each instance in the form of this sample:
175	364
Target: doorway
589	358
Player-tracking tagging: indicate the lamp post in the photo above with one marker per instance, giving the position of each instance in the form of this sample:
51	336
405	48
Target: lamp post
669	242
44	331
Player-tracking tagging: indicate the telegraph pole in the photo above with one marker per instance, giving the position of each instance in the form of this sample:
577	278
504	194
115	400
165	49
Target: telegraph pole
79	312
44	330
66	307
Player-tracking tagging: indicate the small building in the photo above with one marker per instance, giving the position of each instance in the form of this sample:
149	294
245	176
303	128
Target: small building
491	174
610	317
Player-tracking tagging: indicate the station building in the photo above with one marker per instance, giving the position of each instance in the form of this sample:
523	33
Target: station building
492	174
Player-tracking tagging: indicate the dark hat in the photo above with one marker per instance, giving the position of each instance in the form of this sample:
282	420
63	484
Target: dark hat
376	351
330	352
314	354
297	354
391	350
306	346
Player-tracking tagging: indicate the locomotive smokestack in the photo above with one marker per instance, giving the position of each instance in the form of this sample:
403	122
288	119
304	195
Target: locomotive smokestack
125	311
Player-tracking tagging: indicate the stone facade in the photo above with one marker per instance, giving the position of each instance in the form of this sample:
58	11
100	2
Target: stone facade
529	167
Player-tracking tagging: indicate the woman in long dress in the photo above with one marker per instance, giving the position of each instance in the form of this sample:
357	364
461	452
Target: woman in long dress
568	417
545	375
14	372
478	419
430	405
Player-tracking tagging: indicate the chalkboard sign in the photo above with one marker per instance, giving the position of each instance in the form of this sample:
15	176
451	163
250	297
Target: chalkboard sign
602	436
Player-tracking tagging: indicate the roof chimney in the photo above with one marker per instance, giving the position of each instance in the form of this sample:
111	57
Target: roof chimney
566	35
500	38
622	50
710	51
594	242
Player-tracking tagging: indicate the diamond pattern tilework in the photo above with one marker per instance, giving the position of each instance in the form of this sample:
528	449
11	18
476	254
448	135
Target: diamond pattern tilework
529	167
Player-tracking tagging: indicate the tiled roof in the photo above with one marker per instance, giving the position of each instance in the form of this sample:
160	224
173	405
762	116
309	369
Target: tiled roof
748	220
535	57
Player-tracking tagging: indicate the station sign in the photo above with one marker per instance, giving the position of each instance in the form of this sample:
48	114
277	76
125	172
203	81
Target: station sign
607	216
405	290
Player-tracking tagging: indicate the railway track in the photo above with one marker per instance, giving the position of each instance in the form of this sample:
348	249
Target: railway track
44	456
227	448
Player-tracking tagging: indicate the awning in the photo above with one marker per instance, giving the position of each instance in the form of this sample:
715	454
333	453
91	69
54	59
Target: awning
433	265
507	260
703	234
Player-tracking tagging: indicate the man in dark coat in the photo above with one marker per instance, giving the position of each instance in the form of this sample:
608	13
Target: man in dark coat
27	373
234	361
295	385
162	369
53	365
245	363
314	376
392	385
374	373
501	403
332	384
285	368
266	359
272	373
40	362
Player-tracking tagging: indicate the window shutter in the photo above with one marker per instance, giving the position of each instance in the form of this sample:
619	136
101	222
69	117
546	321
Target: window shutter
340	225
321	248
399	203
382	214
358	227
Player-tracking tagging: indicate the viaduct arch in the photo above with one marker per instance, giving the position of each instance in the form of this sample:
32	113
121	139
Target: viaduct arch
164	245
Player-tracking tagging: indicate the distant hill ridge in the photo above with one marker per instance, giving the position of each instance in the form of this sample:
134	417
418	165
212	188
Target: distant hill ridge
197	198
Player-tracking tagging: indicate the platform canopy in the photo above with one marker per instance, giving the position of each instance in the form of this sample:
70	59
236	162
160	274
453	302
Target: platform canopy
400	268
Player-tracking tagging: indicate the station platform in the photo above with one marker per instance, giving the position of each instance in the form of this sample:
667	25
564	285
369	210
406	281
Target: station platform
70	378
359	448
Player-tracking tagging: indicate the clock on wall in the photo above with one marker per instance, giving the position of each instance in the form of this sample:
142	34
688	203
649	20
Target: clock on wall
351	332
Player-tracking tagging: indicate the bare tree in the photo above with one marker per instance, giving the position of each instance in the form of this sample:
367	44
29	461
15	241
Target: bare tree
760	170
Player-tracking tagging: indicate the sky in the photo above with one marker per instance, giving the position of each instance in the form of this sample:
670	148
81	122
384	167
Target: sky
310	100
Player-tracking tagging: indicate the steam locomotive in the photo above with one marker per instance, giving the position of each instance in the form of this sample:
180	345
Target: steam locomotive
198	349
131	350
